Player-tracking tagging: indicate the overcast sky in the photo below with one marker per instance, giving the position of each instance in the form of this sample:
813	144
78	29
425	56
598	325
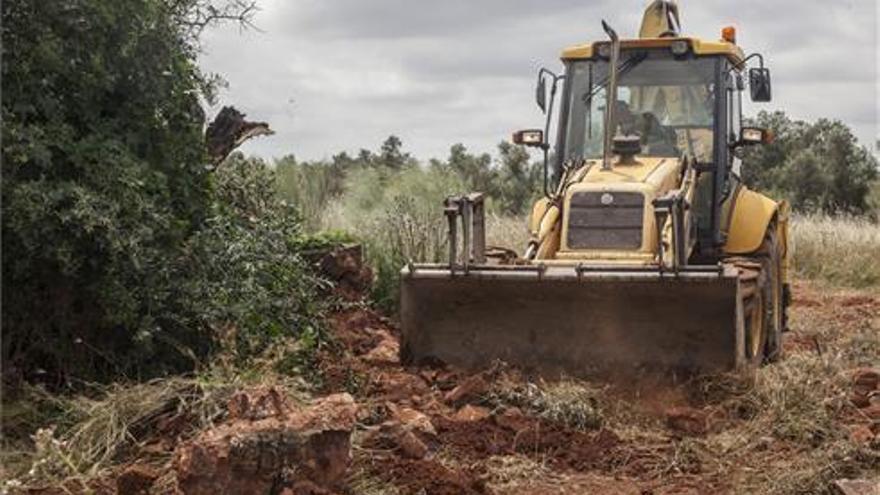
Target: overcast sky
334	75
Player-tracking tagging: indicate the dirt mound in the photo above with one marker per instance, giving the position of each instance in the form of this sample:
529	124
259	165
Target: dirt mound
563	448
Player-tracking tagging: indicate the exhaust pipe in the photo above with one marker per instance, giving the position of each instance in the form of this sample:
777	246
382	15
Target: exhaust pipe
611	93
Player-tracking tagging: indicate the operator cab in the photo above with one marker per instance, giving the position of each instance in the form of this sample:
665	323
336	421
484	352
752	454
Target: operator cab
682	98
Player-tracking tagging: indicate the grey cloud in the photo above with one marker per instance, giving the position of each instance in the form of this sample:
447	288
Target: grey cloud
344	74
399	19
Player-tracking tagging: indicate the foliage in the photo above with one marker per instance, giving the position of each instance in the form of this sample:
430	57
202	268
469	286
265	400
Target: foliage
818	166
392	204
242	272
397	219
125	256
520	180
309	186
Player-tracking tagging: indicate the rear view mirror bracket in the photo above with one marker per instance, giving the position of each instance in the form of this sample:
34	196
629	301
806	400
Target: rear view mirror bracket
759	78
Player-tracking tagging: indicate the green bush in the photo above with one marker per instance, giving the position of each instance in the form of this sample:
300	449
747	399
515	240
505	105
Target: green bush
123	254
244	281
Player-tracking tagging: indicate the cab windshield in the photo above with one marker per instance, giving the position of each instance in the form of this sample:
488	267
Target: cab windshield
669	103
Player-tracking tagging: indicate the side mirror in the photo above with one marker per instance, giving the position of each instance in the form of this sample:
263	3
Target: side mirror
751	136
533	138
759	82
541	93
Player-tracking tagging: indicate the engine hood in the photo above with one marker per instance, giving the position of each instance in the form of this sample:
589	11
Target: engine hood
608	214
645	170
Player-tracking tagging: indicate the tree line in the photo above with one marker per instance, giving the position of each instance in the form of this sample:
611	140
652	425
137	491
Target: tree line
818	167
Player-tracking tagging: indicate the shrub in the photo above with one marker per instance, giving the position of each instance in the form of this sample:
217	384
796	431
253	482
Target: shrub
244	282
126	253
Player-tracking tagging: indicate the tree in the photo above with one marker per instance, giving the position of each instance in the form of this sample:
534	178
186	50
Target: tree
519	179
817	166
105	186
390	154
475	170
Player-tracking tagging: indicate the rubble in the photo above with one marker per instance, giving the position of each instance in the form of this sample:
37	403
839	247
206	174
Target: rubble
861	434
856	487
687	420
387	351
471	388
250	455
414	420
865	388
344	266
471	413
137	479
513	419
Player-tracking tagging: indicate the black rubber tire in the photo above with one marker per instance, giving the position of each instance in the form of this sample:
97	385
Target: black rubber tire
753	283
771	262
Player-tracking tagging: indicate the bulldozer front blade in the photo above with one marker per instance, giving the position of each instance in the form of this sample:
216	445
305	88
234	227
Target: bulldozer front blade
565	319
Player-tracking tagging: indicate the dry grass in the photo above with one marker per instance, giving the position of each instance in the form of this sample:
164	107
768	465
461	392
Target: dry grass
516	473
841	250
86	434
507	232
364	483
844	251
799	407
571	403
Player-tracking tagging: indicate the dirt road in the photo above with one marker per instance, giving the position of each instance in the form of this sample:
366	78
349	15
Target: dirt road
374	427
792	428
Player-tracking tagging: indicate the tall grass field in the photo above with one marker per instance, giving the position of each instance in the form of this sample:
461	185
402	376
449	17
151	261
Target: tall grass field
841	250
398	217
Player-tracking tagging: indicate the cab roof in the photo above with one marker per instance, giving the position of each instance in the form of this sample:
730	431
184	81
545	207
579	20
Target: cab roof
700	47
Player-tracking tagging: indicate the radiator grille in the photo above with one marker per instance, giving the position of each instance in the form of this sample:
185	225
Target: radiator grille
603	220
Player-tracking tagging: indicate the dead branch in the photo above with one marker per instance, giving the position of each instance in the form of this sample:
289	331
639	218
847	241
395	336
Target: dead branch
228	131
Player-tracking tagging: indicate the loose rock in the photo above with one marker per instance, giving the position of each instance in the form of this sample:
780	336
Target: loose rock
387	351
857	487
414	421
257	403
687	420
471	388
136	480
246	456
411	446
513	419
861	434
470	413
866	380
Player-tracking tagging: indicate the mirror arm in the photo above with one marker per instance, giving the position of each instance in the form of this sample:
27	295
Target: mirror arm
742	65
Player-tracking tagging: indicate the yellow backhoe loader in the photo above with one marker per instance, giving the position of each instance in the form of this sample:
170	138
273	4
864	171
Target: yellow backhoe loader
646	249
